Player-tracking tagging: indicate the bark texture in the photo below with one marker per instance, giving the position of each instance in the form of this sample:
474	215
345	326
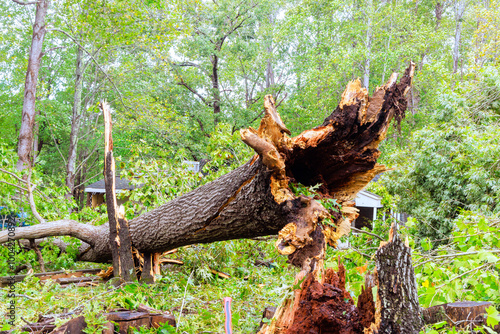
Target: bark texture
397	300
25	143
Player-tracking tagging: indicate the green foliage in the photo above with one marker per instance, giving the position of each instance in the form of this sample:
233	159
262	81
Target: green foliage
452	163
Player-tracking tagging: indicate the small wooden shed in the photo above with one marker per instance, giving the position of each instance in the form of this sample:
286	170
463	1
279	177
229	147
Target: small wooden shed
96	191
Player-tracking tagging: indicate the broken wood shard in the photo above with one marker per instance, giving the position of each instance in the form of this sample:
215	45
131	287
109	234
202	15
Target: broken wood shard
119	236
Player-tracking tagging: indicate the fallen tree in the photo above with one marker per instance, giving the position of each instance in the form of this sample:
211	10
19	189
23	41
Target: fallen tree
255	199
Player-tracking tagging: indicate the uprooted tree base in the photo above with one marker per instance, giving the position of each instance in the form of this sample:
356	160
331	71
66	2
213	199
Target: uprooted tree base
255	199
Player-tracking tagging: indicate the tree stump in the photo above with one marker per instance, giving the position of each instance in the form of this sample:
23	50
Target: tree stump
459	314
397	303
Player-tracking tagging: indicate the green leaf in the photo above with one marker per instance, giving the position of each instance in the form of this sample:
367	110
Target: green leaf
493	316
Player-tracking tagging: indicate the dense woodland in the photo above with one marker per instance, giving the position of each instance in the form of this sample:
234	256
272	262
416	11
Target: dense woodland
184	77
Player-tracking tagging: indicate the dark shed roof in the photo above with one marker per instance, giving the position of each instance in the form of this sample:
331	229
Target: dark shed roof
120	184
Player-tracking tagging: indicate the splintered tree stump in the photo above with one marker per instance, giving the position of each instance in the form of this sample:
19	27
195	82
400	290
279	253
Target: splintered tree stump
323	306
397	295
327	307
340	156
119	235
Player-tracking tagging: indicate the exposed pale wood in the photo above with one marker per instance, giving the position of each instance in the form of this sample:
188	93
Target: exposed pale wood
119	235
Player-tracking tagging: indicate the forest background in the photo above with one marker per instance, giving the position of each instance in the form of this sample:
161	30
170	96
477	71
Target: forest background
184	76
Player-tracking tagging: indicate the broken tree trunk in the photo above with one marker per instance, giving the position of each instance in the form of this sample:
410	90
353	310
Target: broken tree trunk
397	299
388	303
119	236
255	199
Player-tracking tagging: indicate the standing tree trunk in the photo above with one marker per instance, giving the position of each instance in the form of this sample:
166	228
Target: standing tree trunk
75	124
460	6
119	236
368	45
397	299
214	77
25	143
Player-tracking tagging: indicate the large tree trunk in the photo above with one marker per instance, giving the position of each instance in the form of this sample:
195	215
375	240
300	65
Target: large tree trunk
255	200
25	144
75	124
460	6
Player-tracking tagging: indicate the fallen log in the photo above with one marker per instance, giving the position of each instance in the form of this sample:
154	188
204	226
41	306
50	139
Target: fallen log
459	314
255	199
4	281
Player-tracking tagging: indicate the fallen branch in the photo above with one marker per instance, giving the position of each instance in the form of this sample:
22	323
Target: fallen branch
357	230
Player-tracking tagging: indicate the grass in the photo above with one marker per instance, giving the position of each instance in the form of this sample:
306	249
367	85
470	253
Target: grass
191	287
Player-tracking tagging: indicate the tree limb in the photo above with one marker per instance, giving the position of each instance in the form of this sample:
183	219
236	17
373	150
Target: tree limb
19	2
366	232
86	233
31	200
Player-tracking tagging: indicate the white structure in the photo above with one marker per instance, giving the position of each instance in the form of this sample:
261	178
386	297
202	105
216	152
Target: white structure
367	203
192	166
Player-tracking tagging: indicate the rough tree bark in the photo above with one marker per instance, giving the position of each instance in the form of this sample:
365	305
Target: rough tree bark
254	199
397	299
25	143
